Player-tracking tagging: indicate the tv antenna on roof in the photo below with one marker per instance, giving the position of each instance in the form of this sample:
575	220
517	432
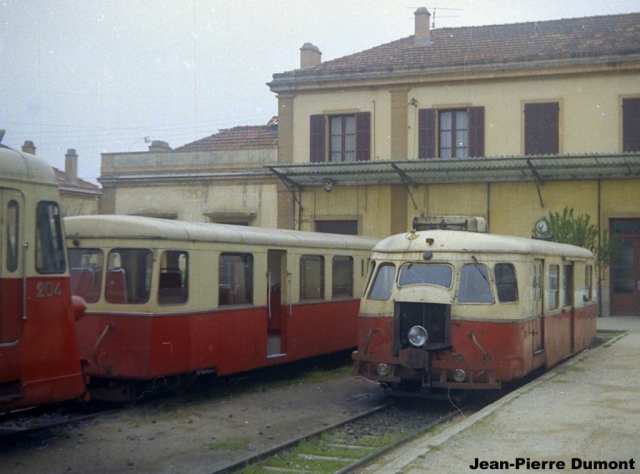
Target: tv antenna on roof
433	17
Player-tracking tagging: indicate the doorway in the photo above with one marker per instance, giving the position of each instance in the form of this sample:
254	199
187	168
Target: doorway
277	285
625	270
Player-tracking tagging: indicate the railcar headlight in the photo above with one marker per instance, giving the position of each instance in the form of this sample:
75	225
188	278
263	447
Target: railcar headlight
418	336
383	370
459	375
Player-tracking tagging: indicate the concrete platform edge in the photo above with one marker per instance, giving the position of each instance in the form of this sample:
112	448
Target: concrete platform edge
425	443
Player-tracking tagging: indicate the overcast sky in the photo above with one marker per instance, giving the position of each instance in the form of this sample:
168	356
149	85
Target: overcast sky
102	75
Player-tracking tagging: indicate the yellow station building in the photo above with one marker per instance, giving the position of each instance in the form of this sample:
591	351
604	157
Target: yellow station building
505	122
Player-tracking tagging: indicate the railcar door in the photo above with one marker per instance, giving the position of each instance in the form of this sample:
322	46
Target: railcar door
277	285
11	256
11	292
538	305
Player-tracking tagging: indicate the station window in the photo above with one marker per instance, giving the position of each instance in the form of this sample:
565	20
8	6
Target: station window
554	294
383	282
235	279
49	239
342	277
13	246
173	283
129	276
506	283
474	284
86	272
311	277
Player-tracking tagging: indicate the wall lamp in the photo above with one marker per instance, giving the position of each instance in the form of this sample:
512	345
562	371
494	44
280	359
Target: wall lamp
328	185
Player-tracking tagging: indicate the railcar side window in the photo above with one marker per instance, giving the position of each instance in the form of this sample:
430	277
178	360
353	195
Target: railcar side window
129	276
506	283
311	277
235	279
383	282
173	284
342	276
428	274
588	282
474	284
13	247
49	239
567	285
537	281
86	270
554	294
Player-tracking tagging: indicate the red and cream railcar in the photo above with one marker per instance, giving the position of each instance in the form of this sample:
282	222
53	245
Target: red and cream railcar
166	298
39	362
468	310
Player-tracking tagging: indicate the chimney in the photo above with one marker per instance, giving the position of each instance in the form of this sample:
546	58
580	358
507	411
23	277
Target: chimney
423	34
29	147
159	145
71	166
310	56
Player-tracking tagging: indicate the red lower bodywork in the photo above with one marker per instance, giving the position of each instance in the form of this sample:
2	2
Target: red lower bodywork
144	347
489	352
39	361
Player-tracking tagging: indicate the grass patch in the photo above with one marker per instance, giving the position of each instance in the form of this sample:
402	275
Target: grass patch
228	445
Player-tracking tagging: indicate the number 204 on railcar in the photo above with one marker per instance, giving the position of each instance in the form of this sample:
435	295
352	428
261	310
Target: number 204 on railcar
168	298
454	309
39	361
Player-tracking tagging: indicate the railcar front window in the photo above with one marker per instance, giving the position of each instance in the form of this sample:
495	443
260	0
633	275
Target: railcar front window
475	286
311	277
173	284
86	270
506	283
425	274
383	282
129	276
588	282
49	239
567	285
342	277
235	279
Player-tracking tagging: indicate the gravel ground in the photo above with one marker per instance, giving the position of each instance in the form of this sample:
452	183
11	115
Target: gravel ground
196	432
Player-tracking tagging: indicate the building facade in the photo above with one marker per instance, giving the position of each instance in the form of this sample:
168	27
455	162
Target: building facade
220	178
505	122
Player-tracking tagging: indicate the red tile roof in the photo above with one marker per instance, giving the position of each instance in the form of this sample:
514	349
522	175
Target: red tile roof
485	47
238	138
61	177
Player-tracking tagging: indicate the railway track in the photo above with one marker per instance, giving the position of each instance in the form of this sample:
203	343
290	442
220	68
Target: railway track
345	446
21	425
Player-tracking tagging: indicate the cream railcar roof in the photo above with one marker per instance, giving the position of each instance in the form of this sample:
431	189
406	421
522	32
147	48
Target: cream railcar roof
131	227
462	241
18	166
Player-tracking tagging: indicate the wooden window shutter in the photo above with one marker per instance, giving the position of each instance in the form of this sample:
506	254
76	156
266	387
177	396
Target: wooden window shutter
476	132
426	133
541	129
317	139
363	136
630	125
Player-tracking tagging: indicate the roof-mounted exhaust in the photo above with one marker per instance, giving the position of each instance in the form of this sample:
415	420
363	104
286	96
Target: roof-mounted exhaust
470	224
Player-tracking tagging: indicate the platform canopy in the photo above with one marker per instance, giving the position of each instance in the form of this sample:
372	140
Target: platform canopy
471	170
